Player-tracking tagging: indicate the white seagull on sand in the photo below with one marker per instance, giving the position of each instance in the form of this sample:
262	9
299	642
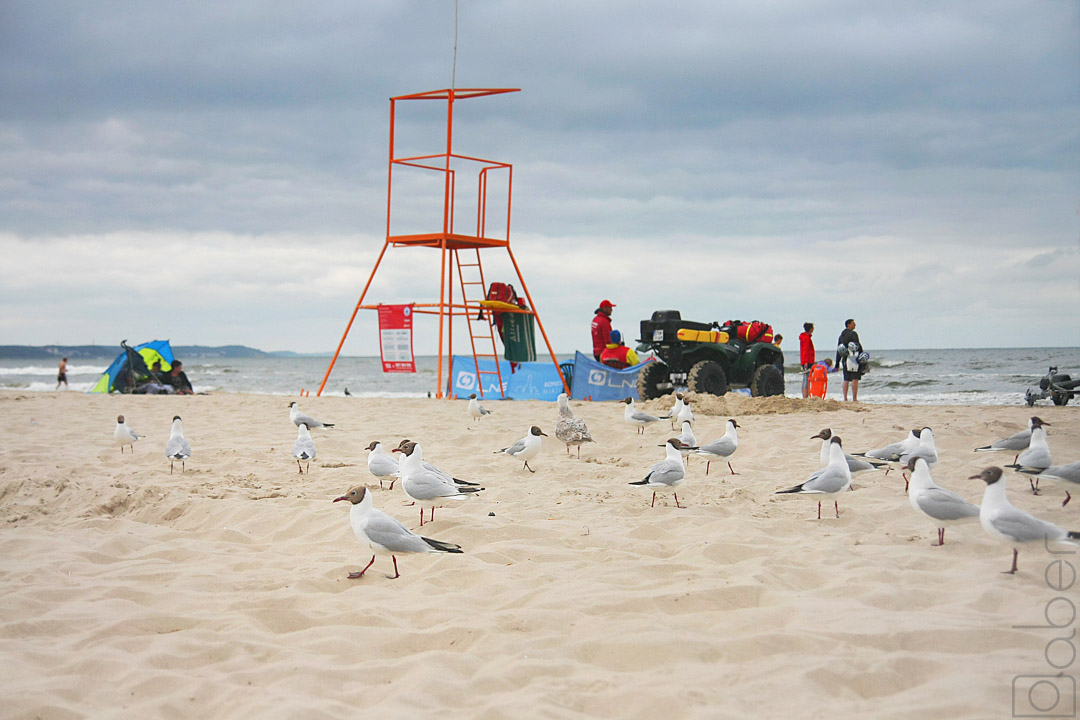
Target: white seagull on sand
304	447
637	418
855	465
385	535
831	480
667	474
1010	525
1037	456
382	464
299	418
722	448
1016	443
527	447
476	410
177	448
427	488
123	435
943	507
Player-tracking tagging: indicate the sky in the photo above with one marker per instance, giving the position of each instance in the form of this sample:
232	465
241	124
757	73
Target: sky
216	173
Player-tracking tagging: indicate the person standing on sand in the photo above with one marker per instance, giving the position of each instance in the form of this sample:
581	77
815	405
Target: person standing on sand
61	374
806	355
849	356
601	328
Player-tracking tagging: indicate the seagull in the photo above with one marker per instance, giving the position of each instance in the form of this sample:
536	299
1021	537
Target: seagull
527	447
299	418
177	448
723	447
1068	473
569	429
437	471
686	414
927	450
943	507
667	474
637	417
381	464
832	479
1037	456
894	451
689	442
347	393
855	465
1011	525
676	409
475	409
1014	443
383	534
304	447
427	488
123	435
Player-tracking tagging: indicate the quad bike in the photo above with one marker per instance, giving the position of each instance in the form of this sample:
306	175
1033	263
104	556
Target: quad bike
1059	387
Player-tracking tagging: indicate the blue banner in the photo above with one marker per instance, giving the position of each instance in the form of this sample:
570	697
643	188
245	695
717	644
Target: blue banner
596	381
530	381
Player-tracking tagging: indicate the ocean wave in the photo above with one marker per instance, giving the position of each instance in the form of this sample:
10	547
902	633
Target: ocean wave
52	370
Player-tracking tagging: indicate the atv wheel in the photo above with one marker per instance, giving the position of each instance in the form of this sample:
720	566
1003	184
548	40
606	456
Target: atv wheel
1060	398
707	377
767	381
651	377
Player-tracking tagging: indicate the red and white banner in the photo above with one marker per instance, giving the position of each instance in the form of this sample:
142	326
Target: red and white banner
395	338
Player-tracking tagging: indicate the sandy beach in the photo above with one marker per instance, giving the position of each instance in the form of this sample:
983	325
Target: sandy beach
222	592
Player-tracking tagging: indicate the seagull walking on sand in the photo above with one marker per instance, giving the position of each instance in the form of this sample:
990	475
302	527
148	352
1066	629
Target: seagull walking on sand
943	507
571	430
303	448
385	535
722	448
176	447
831	480
637	418
667	474
676	409
686	414
428	489
1014	443
382	464
476	410
1068	473
437	471
123	435
300	418
527	447
855	465
1037	456
1011	525
689	442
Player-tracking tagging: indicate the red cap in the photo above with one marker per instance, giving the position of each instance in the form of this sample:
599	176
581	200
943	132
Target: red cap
606	303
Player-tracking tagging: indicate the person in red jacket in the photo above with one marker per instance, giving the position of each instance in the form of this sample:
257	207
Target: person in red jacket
601	328
806	355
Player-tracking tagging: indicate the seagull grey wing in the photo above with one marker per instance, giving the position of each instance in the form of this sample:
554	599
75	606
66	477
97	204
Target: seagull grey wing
1068	473
302	419
856	465
383	466
665	472
1036	457
384	530
826	480
722	447
889	452
942	504
177	448
1017	442
429	486
515	448
644	417
1022	527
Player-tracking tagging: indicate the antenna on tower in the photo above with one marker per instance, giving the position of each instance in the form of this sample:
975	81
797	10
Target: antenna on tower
453	66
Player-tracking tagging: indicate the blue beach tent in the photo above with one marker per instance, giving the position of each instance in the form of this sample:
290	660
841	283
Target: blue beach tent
133	364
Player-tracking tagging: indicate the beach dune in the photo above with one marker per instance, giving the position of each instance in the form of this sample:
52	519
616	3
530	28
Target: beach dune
221	591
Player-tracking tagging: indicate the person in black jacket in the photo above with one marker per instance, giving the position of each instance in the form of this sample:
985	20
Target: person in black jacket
847	357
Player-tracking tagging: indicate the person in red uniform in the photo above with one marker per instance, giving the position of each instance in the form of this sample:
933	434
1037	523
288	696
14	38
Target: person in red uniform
806	355
617	355
601	328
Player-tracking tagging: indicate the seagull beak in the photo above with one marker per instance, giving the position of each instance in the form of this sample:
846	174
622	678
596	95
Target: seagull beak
397	450
340	498
975	477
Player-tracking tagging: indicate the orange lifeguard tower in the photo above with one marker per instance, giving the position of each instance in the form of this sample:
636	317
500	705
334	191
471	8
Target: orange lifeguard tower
460	251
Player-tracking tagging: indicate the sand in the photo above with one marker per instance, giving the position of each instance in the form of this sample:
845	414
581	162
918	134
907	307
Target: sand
222	591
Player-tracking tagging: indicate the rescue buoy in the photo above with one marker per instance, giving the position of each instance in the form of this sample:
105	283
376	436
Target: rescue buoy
819	381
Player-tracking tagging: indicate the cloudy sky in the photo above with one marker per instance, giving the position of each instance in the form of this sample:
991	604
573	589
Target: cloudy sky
215	173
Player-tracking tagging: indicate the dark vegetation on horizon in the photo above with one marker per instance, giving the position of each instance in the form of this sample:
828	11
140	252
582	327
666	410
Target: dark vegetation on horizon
81	352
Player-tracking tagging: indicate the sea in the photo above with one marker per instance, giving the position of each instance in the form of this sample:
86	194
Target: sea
984	376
